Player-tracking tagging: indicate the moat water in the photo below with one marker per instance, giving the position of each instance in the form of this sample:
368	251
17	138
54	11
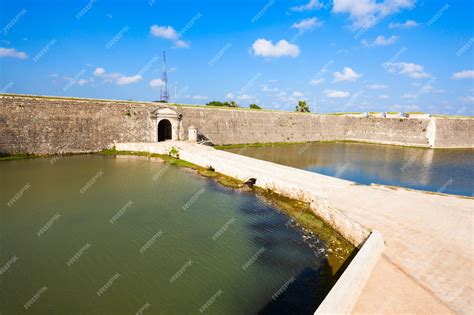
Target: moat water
103	235
442	170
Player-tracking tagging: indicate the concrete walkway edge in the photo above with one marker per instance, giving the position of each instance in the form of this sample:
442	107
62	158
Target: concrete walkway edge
345	293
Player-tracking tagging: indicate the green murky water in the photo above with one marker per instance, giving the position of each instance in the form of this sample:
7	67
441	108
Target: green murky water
102	235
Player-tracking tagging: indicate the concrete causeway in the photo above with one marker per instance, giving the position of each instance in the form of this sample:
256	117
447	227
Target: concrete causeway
428	262
429	243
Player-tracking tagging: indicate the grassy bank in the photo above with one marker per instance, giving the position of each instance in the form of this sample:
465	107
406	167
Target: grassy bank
25	156
17	157
303	217
254	145
276	144
221	178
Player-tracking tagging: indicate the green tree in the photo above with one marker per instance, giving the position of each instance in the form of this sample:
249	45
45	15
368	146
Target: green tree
302	107
254	106
226	104
215	103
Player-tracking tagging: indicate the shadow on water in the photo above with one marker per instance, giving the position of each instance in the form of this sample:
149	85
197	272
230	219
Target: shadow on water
304	293
286	249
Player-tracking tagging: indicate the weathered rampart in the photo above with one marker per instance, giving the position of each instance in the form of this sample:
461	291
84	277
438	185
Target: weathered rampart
49	125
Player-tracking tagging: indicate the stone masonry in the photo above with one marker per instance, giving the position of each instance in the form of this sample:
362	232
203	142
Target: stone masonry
52	125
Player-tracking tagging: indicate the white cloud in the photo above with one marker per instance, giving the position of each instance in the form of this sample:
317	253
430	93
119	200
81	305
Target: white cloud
245	97
380	41
427	88
336	94
412	70
297	94
110	77
290	99
377	86
229	96
75	80
82	82
409	96
116	78
265	88
404	107
407	24
347	75
157	83
467	99
124	80
166	32
466	74
365	43
316	81
307	24
99	71
12	52
311	5
200	97
383	97
366	13
181	44
265	48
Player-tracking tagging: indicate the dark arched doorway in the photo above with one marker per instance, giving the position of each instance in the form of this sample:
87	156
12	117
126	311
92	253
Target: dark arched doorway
164	130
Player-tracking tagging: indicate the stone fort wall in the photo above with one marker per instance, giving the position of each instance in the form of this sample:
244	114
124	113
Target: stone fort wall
454	133
242	126
47	125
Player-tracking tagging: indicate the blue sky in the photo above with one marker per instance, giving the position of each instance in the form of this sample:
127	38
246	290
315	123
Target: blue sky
341	55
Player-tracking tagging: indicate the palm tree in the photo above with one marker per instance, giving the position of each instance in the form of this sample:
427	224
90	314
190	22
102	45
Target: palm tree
302	107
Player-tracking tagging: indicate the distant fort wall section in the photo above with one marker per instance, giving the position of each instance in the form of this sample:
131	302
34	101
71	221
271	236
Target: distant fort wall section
242	126
51	125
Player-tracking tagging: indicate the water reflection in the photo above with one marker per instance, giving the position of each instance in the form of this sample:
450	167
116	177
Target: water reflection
448	171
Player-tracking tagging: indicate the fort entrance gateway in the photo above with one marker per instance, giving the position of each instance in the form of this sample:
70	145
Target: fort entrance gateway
167	124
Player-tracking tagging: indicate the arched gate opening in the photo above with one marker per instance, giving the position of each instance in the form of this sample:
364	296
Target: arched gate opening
164	130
